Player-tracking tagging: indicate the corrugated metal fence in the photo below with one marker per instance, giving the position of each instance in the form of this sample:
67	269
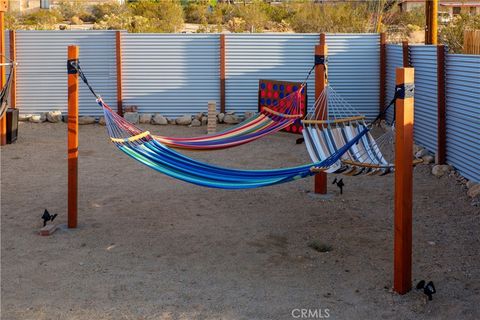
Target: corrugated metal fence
177	74
424	59
173	74
353	61
41	71
463	113
462	76
250	57
394	61
354	70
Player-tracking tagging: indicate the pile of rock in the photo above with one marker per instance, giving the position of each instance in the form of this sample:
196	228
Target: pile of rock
422	153
131	115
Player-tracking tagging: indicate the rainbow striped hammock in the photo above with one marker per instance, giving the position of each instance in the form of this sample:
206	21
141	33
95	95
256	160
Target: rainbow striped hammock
268	121
149	150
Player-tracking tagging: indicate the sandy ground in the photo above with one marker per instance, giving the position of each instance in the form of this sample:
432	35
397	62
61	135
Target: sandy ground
150	247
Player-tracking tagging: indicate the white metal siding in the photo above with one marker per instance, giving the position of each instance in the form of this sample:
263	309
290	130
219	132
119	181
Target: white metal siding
354	70
174	74
463	113
394	61
42	73
250	57
424	60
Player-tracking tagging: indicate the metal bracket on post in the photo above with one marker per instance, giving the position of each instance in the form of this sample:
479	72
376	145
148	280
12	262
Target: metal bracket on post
72	66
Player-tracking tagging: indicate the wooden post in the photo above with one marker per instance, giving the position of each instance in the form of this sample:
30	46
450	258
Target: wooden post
3	75
406	54
383	72
118	51
72	138
222	73
431	16
441	104
13	57
321	54
404	114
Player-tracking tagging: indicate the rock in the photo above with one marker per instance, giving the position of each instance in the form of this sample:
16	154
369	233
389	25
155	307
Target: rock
159	119
470	184
428	159
86	120
184	120
24	116
54	116
421	153
417	148
232	119
132	117
196	123
220	117
249	114
101	121
130	109
440	169
383	124
145	118
171	121
198	116
230	112
474	191
38	118
204	121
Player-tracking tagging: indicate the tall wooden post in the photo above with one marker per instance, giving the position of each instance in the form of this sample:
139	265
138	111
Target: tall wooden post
3	75
431	16
118	51
441	104
321	55
222	72
13	57
404	114
405	54
383	72
72	137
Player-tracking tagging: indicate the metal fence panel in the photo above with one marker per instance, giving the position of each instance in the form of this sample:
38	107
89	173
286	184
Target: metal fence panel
353	66
354	70
42	73
174	74
424	60
250	57
394	61
463	113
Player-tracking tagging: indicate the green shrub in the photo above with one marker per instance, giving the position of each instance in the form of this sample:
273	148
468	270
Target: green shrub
42	19
336	17
166	15
452	33
101	10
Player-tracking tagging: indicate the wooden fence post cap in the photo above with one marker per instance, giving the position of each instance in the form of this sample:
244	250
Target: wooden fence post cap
405	75
321	49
